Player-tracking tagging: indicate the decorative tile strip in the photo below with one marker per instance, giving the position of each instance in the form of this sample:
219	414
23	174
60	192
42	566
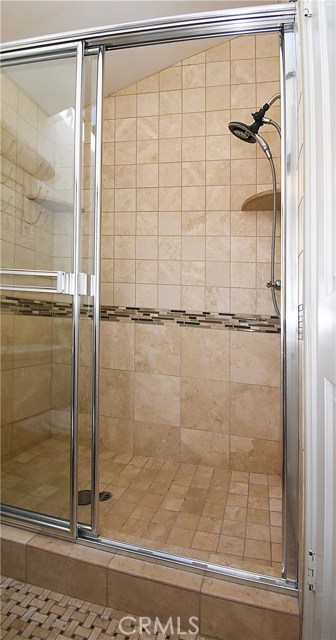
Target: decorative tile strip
180	317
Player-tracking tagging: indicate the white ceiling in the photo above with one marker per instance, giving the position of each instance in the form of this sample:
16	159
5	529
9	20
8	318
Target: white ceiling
29	18
21	19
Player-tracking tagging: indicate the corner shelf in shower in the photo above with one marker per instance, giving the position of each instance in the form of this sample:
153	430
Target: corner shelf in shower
56	206
262	201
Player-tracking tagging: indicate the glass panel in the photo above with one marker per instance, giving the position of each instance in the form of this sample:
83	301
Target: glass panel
190	428
37	159
36	401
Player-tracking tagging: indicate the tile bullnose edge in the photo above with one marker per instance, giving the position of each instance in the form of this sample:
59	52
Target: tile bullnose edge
148	570
14	534
50	544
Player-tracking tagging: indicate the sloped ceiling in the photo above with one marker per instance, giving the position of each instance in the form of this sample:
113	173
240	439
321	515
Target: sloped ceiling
28	18
21	19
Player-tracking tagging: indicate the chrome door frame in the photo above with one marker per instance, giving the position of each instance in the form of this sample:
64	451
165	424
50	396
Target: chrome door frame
252	20
210	24
97	207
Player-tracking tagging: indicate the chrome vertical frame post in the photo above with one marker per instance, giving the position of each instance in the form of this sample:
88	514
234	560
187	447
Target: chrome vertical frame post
96	299
76	293
289	307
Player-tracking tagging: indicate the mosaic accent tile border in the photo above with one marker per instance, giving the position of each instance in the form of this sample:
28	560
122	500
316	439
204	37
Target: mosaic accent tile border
181	317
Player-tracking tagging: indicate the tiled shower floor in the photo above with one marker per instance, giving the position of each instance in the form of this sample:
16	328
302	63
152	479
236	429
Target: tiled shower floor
233	518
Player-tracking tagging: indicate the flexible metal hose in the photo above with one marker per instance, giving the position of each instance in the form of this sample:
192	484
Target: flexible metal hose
275	302
277	127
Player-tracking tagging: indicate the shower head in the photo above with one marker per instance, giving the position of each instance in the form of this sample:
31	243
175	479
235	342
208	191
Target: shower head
249	134
244	132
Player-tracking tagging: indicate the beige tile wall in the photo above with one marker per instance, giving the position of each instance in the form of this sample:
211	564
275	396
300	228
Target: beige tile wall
36	161
26	243
174	180
27	160
191	394
25	382
171	175
174	236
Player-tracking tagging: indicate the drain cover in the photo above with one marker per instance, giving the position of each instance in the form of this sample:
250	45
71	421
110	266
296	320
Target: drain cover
84	496
104	495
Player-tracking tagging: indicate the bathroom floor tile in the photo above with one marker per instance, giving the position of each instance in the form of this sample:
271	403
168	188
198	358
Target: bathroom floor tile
206	541
181	537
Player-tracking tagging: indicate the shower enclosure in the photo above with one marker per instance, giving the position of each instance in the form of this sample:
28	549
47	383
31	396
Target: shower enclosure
163	340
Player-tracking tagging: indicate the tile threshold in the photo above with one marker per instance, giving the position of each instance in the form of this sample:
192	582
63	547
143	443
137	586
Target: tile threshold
149	589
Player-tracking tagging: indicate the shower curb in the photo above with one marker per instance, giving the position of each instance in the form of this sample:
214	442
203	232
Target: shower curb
225	610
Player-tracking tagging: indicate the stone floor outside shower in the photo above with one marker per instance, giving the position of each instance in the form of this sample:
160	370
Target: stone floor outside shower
32	612
228	517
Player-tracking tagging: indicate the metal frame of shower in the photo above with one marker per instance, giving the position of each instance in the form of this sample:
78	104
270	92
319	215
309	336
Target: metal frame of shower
252	20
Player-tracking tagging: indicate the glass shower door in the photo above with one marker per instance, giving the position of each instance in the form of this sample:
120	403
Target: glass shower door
41	282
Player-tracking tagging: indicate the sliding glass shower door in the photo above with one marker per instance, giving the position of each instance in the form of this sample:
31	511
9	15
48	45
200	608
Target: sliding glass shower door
47	282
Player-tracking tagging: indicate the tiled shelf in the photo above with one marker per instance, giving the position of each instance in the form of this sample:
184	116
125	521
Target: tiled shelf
25	157
56	206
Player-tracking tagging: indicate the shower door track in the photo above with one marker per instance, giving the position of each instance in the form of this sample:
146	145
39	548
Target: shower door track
234	22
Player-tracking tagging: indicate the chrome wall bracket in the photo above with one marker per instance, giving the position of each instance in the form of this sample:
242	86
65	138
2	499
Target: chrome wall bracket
66	283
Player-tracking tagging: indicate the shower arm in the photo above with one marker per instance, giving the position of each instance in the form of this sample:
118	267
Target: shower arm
273	99
259	116
269	102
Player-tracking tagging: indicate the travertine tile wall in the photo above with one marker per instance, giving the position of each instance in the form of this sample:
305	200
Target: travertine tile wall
175	178
27	156
174	236
27	160
36	162
191	394
25	382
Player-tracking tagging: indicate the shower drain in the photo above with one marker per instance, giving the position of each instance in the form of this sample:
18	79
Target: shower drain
84	496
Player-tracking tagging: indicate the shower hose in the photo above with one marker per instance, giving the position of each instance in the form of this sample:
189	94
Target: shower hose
272	283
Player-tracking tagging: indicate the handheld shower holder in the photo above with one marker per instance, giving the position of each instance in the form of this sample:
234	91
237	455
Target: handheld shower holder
274	285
